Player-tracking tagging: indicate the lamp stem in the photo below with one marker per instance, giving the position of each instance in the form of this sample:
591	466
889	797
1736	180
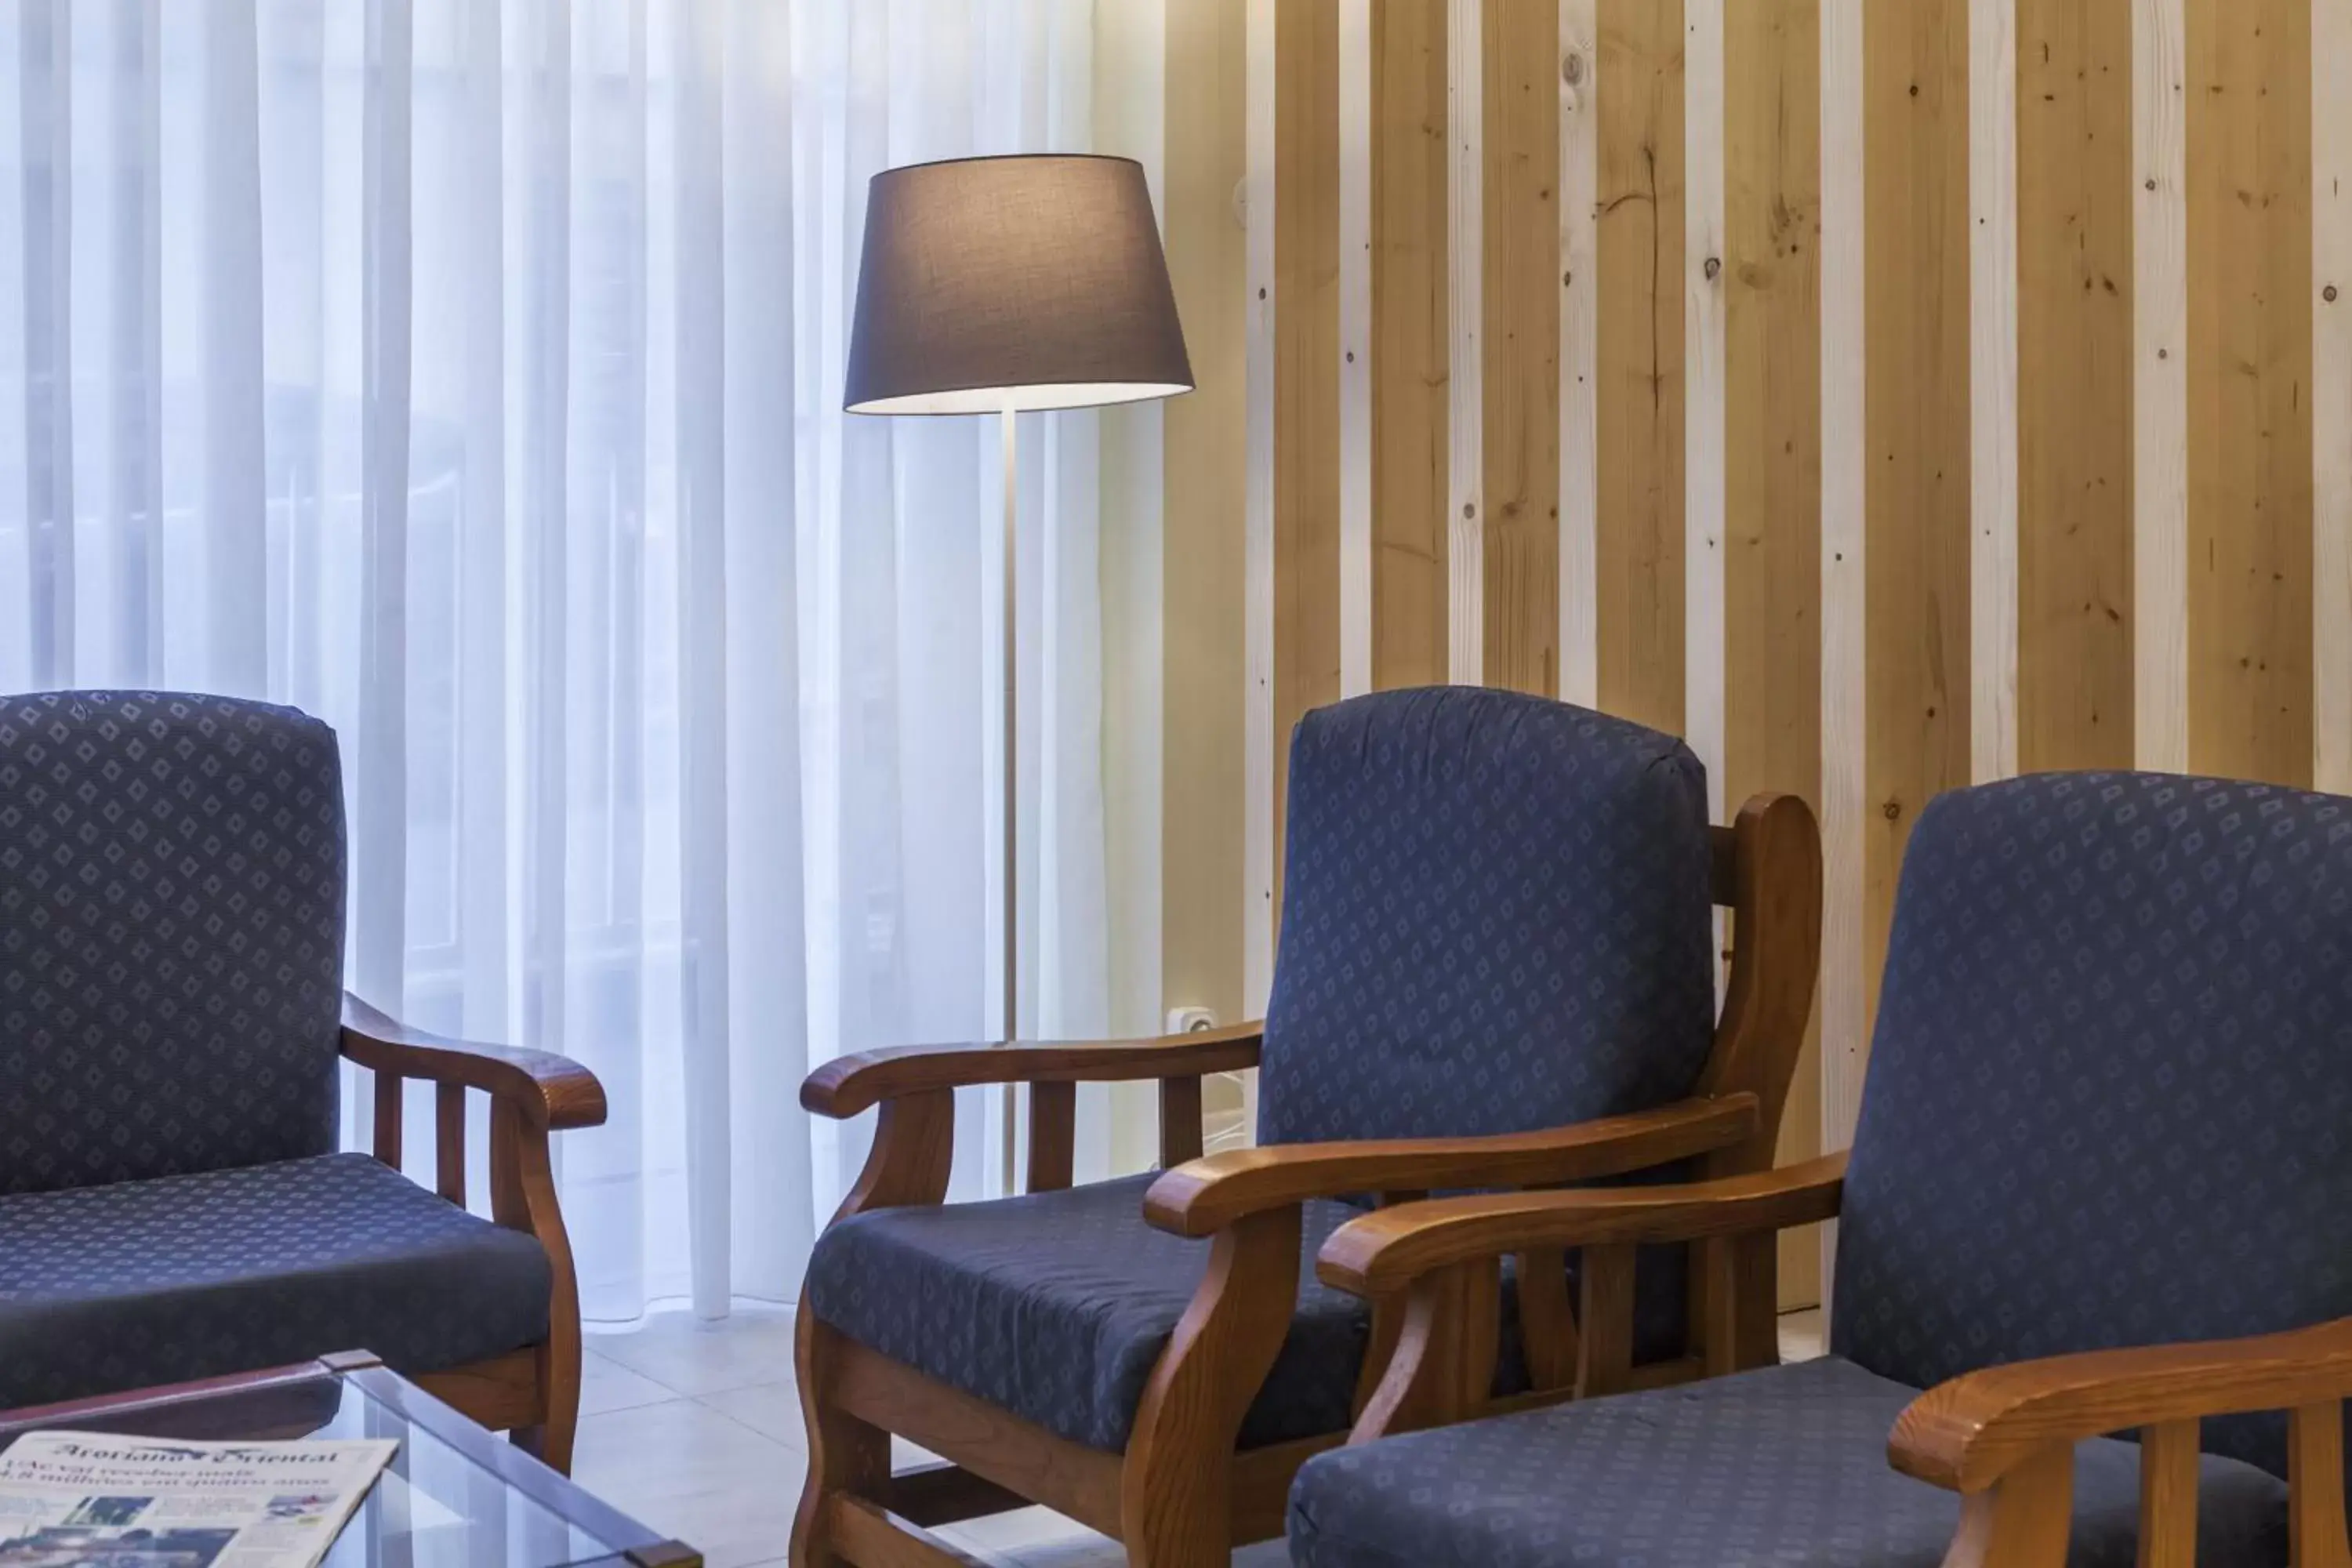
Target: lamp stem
1012	1031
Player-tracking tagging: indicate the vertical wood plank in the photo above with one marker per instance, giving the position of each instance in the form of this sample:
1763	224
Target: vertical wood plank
388	1097
1916	347
1207	501
1519	354
1639	350
1180	1121
1355	367
1992	387
1845	462
2315	1473
1604	1319
2167	1495
2073	381
450	1142
2249	362
1546	1320
1580	170
1411	343
1466	630
1306	379
2331	394
2159	385
1740	1330
1260	789
1703	334
1052	1136
1772	611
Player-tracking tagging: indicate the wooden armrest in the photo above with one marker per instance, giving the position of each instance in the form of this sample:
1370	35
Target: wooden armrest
1201	1197
1390	1247
1967	1433
847	1085
548	1090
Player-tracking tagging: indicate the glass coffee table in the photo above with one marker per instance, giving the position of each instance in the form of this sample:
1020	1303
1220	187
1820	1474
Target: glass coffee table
454	1496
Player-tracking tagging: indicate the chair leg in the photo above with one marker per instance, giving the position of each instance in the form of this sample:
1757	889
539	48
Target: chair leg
550	1442
523	1197
1203	1540
846	1456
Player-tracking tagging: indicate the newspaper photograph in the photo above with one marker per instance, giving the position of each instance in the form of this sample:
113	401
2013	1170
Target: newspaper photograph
91	1500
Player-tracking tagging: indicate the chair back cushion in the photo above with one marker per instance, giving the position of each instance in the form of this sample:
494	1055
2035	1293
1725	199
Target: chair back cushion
2109	1099
1495	917
170	936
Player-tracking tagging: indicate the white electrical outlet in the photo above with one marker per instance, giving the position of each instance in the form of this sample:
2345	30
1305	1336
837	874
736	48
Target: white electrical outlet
1189	1020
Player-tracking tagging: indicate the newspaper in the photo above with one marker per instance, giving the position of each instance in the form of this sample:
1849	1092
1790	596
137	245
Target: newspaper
87	1500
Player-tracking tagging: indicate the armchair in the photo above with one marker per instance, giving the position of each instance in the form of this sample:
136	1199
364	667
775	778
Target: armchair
1152	1356
171	1027
2099	1186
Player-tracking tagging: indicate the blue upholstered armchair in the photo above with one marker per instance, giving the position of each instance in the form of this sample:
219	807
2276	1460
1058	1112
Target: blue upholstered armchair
2102	1182
172	1025
1497	970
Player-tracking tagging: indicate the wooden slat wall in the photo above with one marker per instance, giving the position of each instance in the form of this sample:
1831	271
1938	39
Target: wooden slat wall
1845	522
1306	374
1409	343
2151	567
2159	386
2331	400
1522	365
2250	453
1579	174
1199	553
1355	367
1638	94
1993	176
1916	360
2074	383
1465	338
1772	440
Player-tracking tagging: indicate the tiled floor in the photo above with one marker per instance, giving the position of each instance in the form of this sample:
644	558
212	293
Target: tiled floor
695	1429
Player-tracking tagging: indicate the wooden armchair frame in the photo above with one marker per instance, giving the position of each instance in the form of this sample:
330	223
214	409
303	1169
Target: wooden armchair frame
1180	1496
532	1393
2002	1437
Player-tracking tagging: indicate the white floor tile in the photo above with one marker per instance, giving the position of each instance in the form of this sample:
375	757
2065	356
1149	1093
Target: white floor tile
1025	1531
690	1472
606	1385
687	1355
1036	1538
772	1409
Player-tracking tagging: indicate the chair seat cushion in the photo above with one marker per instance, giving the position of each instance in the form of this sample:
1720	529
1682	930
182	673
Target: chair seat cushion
1785	1466
138	1283
1054	1306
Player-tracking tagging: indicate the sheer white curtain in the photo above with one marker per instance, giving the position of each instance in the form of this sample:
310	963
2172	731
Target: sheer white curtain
468	373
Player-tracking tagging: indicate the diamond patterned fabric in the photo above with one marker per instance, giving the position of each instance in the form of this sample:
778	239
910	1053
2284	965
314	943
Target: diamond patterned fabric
1783	1468
2109	1094
170	936
138	1283
1056	1306
1496	917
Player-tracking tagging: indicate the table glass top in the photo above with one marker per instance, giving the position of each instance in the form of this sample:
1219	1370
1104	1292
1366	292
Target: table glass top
453	1496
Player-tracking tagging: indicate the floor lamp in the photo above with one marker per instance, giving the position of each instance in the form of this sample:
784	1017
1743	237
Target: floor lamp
1001	284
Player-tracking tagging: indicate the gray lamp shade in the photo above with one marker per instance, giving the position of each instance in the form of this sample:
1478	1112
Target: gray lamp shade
1024	282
